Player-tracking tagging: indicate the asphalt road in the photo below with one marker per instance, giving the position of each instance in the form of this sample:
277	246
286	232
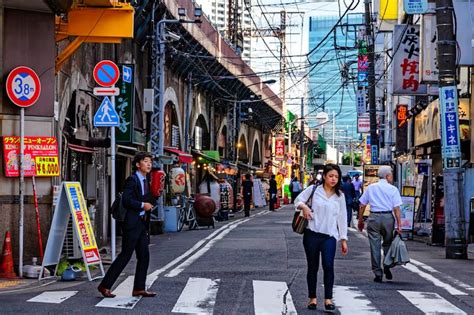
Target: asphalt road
257	265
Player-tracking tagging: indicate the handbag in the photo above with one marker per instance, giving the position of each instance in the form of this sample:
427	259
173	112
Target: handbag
299	222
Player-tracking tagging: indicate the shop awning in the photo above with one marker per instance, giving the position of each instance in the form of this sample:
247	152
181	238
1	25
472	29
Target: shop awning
183	157
80	148
247	167
209	156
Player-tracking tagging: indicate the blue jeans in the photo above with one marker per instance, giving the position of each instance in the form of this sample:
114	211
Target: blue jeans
314	244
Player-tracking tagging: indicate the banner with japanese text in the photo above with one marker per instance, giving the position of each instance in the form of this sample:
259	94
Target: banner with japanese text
450	140
406	61
82	222
40	156
401	143
279	148
124	103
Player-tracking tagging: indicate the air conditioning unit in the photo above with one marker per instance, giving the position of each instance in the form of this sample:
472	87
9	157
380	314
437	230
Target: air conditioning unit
71	246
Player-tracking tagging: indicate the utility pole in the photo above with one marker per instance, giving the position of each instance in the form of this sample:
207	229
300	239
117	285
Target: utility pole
374	140
455	222
302	160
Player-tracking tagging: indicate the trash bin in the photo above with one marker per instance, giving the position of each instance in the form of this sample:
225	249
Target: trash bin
171	218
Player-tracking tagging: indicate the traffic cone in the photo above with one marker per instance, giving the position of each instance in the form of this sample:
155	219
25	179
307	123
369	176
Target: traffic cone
6	266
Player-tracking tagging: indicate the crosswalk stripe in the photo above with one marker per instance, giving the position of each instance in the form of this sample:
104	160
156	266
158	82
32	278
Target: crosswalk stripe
272	297
55	297
350	300
431	303
452	290
198	297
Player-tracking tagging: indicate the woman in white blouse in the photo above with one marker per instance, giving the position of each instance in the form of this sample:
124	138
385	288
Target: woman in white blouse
327	223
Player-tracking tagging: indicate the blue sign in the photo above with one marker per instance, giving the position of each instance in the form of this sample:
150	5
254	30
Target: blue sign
127	74
374	154
450	140
106	115
415	6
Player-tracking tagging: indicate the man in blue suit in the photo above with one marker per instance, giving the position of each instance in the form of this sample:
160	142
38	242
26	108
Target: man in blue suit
138	201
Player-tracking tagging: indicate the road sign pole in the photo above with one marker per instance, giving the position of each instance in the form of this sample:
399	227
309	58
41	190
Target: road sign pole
22	190
112	183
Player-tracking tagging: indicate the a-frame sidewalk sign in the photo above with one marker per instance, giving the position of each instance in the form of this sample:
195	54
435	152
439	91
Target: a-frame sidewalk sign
71	202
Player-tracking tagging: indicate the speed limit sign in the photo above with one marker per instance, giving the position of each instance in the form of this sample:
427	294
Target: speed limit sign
23	86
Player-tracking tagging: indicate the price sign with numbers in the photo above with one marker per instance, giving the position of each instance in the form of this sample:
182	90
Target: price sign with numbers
40	158
23	86
47	166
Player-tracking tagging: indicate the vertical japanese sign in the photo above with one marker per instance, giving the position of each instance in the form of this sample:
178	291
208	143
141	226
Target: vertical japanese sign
279	148
361	95
362	60
363	123
124	103
428	60
402	128
82	222
451	147
40	157
406	77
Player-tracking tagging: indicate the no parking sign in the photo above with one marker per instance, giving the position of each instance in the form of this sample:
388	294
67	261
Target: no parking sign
23	86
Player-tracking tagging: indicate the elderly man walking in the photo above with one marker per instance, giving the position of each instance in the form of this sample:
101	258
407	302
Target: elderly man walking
385	202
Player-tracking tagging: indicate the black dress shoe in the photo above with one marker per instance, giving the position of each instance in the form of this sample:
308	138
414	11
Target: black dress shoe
378	279
105	292
329	308
312	306
388	273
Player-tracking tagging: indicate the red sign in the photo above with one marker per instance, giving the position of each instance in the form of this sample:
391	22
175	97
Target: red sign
23	86
279	148
106	73
92	255
40	157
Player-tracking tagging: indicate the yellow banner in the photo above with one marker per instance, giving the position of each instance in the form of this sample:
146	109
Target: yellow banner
388	10
82	221
47	165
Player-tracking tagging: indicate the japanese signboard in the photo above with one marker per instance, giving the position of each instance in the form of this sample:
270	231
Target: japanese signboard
124	104
361	96
428	61
40	157
363	123
82	222
366	153
70	201
279	148
406	77
362	60
415	6
450	141
402	128
407	213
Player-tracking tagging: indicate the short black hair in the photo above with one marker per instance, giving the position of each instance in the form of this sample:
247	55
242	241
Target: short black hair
247	176
273	176
140	156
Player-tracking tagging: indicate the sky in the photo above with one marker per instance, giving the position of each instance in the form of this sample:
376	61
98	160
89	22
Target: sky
264	60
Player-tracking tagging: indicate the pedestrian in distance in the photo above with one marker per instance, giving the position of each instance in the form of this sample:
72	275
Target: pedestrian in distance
385	202
247	187
327	223
138	201
295	188
357	183
272	191
349	195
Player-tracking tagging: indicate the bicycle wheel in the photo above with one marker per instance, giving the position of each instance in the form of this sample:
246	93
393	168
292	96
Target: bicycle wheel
192	222
181	219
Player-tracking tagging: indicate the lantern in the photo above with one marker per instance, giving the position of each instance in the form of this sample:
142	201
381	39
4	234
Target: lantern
178	180
157	182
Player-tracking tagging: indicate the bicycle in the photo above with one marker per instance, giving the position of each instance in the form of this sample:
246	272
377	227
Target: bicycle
187	215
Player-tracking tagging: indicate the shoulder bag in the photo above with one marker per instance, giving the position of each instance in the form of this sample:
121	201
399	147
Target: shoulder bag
299	222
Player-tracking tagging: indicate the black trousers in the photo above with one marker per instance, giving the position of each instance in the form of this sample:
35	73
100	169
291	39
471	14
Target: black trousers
247	200
314	245
272	203
132	240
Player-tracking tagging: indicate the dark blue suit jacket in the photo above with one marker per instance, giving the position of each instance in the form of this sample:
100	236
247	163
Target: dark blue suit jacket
132	199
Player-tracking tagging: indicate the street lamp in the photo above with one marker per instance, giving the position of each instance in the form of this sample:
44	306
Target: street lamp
158	117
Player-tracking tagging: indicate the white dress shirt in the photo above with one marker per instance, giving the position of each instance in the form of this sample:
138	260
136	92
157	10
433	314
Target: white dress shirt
381	196
329	214
141	178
